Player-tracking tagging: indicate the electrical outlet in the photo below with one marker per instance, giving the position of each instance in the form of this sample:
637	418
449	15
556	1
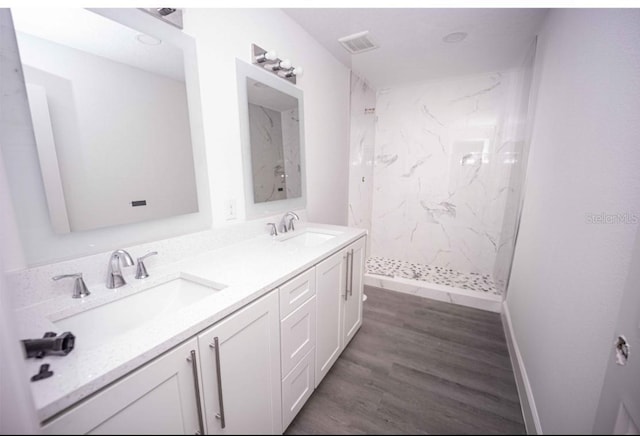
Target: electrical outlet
230	209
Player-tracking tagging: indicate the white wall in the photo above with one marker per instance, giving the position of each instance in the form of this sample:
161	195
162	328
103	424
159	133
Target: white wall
223	35
568	274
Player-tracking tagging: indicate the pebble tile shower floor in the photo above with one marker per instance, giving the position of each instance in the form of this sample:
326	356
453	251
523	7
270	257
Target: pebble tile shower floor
432	274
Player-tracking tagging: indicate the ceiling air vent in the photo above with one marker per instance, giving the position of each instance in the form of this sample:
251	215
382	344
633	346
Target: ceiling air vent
358	42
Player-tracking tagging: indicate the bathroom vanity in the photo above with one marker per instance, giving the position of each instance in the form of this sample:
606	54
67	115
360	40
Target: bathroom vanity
230	341
226	340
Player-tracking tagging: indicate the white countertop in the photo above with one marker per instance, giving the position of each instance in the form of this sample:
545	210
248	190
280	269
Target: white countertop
249	269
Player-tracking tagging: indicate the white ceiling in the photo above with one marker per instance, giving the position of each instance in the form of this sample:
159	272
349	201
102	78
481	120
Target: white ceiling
410	40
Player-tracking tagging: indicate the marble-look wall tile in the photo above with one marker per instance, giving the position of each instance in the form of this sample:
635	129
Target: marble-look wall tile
440	177
267	157
361	157
291	150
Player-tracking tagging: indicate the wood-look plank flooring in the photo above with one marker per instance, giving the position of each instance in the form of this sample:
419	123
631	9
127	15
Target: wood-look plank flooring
417	366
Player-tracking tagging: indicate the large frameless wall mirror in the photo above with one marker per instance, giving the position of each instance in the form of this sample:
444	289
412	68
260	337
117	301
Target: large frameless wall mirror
272	131
113	99
109	110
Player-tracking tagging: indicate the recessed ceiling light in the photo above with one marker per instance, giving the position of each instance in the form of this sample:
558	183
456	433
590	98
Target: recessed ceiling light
455	37
148	39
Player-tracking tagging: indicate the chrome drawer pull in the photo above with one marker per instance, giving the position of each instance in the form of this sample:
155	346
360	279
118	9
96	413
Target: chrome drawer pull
216	347
194	365
351	276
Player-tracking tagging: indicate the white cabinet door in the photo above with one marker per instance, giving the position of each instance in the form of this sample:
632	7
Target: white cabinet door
159	398
352	307
330	294
241	376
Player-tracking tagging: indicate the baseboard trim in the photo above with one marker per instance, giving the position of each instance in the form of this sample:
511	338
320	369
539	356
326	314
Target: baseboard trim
527	402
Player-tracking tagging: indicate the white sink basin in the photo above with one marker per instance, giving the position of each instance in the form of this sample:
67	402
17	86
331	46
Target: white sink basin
96	326
308	237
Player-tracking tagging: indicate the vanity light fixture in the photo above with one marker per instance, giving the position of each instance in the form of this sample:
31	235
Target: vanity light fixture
165	11
280	65
268	59
172	16
270	55
293	71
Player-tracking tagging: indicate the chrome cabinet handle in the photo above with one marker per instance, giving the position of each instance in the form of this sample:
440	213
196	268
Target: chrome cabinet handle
346	279
194	365
216	347
351	276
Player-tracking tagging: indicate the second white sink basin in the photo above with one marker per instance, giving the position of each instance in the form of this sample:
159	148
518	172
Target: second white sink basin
96	326
308	237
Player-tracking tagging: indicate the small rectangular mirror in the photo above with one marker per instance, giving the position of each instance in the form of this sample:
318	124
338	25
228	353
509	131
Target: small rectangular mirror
272	132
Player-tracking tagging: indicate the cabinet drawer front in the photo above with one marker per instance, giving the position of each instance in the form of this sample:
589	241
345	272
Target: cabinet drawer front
298	335
296	291
297	387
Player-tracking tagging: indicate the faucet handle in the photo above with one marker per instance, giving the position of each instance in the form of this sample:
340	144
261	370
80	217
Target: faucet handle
274	229
291	227
141	270
292	217
80	289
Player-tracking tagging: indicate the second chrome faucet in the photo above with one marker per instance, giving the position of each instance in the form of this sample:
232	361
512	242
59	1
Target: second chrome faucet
284	227
114	273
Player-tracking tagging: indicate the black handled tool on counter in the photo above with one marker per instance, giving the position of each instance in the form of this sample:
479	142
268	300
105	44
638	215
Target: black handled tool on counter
50	344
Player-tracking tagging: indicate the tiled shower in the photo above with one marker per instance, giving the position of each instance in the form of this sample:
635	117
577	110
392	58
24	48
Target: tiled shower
436	171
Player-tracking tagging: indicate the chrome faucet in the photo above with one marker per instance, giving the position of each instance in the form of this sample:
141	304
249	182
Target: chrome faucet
114	274
283	222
